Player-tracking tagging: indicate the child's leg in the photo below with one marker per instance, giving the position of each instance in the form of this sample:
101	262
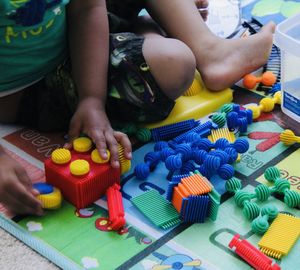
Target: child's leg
147	73
221	62
171	62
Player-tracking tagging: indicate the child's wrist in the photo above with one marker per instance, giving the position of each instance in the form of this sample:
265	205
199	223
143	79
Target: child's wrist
93	101
2	150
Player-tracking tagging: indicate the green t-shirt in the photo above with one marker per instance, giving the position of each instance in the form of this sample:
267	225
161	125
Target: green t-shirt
32	43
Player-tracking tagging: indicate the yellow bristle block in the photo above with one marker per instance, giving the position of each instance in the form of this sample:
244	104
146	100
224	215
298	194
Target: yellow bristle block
221	133
52	200
281	236
125	164
194	89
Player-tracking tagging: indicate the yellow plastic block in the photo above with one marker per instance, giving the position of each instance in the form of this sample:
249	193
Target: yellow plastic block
221	133
79	167
52	200
82	144
281	236
61	156
95	156
125	164
196	106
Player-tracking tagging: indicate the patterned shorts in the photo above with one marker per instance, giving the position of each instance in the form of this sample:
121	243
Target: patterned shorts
133	94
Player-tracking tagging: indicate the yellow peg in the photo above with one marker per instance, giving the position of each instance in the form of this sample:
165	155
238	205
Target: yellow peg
288	137
266	104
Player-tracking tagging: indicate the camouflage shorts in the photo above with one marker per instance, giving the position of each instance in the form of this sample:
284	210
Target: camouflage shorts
133	94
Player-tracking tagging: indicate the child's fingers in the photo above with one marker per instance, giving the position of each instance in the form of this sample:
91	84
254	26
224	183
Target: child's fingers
113	148
18	206
23	177
99	140
34	192
74	132
22	201
25	196
29	194
125	142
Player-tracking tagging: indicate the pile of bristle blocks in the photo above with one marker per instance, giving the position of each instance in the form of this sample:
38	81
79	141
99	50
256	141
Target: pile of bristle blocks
194	198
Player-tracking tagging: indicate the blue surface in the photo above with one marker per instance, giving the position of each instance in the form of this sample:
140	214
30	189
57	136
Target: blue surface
43	188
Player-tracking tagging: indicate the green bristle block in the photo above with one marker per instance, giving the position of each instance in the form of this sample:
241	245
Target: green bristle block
157	209
215	200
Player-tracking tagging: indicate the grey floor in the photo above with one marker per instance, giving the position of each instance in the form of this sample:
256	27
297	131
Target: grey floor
14	255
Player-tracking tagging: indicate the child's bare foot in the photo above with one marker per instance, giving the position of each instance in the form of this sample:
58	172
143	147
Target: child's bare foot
223	62
202	6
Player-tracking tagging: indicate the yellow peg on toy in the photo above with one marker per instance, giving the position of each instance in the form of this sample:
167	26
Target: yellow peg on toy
267	104
194	89
288	137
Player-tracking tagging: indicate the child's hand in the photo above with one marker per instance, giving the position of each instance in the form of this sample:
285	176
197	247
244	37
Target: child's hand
16	191
91	119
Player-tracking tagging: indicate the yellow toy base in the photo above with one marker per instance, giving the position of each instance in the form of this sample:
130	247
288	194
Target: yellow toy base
196	106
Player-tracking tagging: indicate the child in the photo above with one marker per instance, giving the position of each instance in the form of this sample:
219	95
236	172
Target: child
37	82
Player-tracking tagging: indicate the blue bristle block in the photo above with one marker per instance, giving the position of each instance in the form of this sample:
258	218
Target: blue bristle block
198	129
171	131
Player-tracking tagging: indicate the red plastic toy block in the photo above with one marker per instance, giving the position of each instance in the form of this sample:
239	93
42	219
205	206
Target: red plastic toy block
252	255
115	207
85	189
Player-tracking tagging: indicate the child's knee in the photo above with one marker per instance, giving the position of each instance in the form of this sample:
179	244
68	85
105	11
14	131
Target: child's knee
172	64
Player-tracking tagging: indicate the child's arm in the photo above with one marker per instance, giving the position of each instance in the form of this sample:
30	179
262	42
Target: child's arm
16	190
89	48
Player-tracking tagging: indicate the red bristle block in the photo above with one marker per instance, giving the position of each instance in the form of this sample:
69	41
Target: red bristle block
252	255
115	207
85	189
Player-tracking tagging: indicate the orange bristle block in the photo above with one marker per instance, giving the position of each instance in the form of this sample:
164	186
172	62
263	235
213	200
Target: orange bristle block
177	199
196	184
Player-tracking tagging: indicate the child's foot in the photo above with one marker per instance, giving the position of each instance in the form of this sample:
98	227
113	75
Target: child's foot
225	61
202	6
